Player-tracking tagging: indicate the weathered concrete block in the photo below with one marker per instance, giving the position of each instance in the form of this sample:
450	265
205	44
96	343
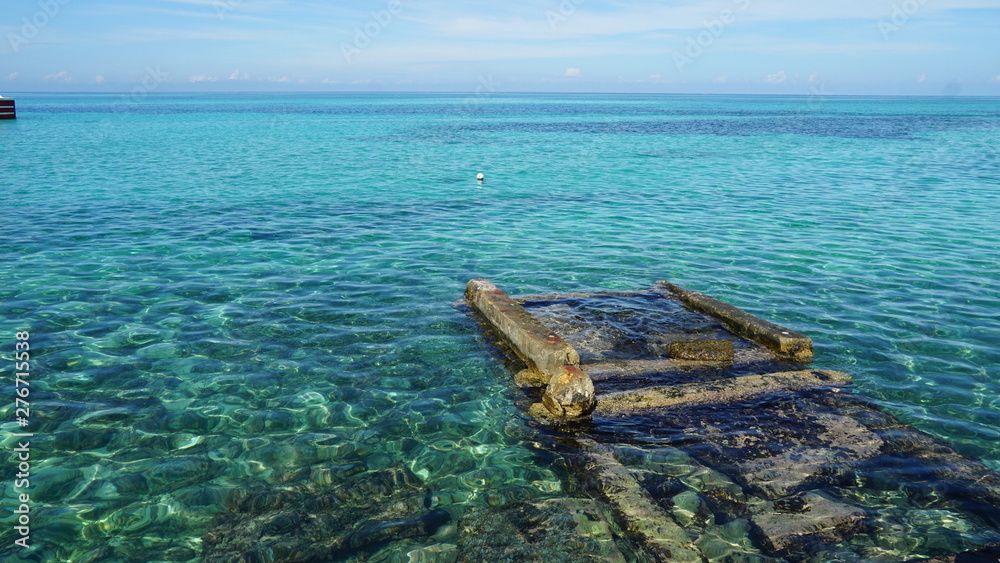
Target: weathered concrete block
540	348
795	346
723	391
570	393
785	524
531	378
702	350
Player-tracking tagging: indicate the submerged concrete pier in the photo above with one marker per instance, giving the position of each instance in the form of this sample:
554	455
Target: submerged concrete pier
551	361
710	440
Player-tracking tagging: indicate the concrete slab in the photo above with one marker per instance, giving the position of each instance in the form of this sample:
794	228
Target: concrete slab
702	350
784	525
722	391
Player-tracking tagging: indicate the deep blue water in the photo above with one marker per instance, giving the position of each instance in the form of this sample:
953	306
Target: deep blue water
225	291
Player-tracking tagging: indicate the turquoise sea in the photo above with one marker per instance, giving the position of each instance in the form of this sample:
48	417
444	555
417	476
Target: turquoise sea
228	294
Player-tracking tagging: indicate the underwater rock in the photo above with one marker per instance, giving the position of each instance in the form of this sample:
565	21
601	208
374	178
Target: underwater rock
330	474
321	523
436	553
702	350
731	543
570	393
178	472
382	531
131	484
83	439
196	421
932	473
208	497
531	378
786	525
568	530
105	418
691	511
989	553
52	484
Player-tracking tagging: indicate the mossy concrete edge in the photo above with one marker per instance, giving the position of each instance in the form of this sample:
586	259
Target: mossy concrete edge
720	391
570	391
793	345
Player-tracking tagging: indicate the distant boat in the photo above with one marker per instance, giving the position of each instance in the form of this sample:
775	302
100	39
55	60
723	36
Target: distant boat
7	109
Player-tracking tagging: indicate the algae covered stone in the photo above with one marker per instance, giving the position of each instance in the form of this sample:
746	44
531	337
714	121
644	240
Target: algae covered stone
702	350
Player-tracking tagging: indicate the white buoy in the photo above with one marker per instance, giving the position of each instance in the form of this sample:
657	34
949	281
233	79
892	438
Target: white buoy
480	177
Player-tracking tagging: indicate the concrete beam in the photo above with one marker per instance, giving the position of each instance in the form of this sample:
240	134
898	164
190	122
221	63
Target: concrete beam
719	391
543	350
604	478
570	392
797	347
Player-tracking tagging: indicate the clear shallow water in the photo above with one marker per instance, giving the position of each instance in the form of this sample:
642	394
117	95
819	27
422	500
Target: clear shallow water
229	293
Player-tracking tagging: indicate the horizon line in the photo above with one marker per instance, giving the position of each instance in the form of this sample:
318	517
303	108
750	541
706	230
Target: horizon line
497	94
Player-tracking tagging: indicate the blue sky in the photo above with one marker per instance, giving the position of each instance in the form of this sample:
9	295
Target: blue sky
822	47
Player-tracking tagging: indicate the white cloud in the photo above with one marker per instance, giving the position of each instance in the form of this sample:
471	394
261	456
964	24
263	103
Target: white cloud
814	76
995	78
13	76
100	79
236	75
721	80
202	78
922	78
60	76
329	81
776	78
572	72
522	20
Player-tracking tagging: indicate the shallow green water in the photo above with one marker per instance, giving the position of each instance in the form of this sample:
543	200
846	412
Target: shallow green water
227	293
